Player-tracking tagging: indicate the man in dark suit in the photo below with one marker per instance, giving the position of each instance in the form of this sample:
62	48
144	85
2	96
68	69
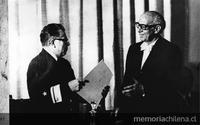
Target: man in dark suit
51	82
152	70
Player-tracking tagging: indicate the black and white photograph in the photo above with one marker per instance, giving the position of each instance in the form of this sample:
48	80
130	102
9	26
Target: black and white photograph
99	62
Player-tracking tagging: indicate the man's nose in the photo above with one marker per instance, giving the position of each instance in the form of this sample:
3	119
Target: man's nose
140	29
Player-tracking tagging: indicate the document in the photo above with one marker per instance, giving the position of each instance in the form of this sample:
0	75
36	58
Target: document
98	78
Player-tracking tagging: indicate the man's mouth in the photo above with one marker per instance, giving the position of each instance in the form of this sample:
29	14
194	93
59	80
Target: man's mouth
141	35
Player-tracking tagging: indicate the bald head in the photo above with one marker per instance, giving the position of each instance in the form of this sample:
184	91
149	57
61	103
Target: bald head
152	18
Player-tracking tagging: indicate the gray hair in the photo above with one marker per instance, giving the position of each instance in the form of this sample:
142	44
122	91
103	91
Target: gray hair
158	19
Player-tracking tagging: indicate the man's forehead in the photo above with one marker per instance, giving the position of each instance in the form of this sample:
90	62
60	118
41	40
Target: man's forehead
146	19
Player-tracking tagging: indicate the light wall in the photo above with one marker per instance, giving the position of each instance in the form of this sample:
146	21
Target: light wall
4	62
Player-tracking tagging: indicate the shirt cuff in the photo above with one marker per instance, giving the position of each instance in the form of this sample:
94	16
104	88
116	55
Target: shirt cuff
56	94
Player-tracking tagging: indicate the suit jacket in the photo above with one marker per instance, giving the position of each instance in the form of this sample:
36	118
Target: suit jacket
43	73
159	76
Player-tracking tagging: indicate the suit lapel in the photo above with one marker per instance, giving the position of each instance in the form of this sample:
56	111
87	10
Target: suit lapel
138	58
153	54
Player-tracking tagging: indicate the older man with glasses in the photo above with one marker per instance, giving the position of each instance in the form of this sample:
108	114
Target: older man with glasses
152	70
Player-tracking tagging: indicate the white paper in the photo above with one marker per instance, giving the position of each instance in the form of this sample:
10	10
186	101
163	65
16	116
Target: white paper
98	78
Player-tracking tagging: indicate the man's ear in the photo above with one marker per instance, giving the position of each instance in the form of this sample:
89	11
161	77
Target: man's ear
157	29
51	40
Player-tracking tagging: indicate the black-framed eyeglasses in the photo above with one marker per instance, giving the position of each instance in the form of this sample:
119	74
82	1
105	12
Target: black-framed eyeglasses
143	26
65	41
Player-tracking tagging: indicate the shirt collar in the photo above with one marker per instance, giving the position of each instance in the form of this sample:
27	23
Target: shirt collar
145	45
47	49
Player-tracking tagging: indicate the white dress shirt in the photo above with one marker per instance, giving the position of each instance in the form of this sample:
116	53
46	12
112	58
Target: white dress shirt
146	48
47	49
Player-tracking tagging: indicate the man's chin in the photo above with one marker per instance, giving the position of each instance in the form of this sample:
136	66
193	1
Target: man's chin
62	54
142	39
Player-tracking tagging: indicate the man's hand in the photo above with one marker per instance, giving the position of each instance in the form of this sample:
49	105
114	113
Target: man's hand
82	83
132	89
76	85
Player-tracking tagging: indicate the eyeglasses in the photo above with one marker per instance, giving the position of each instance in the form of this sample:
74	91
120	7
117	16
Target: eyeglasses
65	41
143	26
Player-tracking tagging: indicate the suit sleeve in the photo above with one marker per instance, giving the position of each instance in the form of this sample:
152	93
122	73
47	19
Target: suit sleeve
61	91
67	75
127	70
174	71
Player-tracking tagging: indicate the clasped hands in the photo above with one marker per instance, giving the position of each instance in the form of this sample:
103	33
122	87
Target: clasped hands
133	89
